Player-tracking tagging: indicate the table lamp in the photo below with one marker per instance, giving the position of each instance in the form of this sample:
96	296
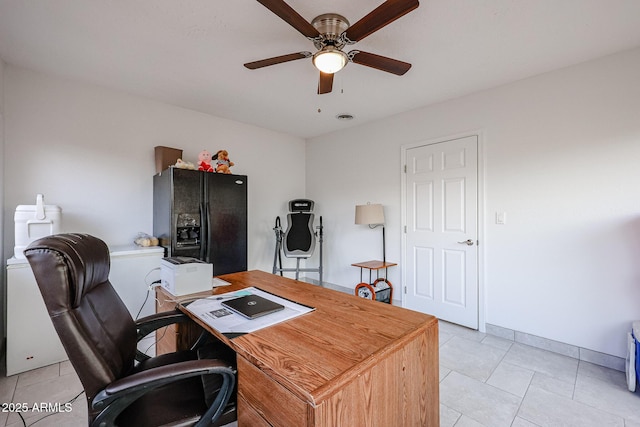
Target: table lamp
373	216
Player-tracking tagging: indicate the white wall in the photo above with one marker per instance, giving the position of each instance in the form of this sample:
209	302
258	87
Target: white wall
560	149
90	150
2	235
561	159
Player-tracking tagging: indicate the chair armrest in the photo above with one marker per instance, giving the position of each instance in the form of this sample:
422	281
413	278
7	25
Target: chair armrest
161	375
114	398
153	322
150	323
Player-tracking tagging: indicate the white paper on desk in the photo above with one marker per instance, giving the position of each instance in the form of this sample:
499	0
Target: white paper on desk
211	311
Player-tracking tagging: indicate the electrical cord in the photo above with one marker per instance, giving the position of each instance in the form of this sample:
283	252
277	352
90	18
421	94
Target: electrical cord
71	401
155	343
146	297
150	286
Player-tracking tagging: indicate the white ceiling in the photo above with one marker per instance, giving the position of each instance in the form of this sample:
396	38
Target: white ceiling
190	52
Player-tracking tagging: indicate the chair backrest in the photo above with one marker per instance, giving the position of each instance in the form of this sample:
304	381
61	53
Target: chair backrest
299	239
94	325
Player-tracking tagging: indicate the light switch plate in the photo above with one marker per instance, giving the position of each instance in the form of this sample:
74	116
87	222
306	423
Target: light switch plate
501	218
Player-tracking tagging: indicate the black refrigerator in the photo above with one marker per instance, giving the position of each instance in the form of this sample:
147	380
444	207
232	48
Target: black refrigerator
202	215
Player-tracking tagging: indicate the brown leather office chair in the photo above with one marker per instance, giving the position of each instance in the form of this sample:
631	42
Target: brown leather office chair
100	338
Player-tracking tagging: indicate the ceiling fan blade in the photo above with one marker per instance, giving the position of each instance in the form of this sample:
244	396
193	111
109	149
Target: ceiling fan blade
277	60
379	62
325	84
383	15
291	17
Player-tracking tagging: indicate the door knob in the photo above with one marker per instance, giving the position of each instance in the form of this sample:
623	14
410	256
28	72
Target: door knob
467	242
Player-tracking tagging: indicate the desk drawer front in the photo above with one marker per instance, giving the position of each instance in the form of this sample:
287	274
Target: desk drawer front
248	417
268	398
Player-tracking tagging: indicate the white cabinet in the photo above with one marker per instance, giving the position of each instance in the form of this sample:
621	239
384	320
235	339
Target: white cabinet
32	341
132	271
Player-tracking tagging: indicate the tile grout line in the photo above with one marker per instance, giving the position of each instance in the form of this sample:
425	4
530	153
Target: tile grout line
624	419
525	393
522	400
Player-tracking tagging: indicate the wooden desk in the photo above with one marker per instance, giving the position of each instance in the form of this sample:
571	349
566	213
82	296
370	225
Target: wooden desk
351	362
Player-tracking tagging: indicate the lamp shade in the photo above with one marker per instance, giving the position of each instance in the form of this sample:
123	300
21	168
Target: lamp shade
369	214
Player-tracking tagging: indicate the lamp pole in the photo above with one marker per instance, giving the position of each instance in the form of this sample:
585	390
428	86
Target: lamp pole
384	251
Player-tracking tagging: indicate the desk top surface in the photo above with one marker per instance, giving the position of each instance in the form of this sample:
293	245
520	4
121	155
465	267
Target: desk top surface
317	353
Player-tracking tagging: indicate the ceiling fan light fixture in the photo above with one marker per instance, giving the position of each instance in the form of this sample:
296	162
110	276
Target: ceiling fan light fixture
330	60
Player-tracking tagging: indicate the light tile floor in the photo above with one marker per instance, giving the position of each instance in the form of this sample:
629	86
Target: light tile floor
484	381
489	381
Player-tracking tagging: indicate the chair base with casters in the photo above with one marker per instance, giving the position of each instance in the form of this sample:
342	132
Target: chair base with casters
299	240
124	387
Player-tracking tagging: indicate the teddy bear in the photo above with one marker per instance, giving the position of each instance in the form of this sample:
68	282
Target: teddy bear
222	161
181	164
204	163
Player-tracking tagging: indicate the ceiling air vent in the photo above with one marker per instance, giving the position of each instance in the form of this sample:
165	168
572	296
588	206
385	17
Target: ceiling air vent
344	117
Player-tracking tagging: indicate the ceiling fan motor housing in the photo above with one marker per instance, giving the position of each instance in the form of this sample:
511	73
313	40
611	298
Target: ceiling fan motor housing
330	26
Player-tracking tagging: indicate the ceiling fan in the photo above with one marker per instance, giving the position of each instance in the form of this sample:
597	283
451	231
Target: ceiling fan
331	32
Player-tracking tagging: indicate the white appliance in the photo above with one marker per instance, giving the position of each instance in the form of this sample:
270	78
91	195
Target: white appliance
33	222
185	275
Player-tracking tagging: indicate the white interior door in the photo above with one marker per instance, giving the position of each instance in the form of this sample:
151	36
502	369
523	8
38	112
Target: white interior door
441	254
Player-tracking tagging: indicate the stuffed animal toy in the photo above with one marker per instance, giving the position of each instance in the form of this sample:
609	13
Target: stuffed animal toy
222	162
144	240
204	163
181	164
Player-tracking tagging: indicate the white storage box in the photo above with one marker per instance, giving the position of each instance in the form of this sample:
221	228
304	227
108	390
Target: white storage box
184	275
33	222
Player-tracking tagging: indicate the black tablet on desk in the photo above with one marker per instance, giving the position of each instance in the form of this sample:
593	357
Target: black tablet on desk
252	306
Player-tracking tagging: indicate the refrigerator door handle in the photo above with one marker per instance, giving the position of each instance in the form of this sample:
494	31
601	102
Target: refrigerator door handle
209	236
204	229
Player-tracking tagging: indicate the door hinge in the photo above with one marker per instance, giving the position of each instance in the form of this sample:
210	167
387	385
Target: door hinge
405	168
405	229
405	289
